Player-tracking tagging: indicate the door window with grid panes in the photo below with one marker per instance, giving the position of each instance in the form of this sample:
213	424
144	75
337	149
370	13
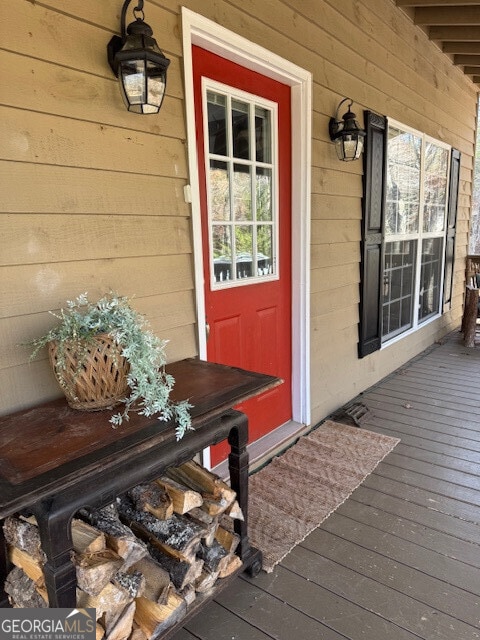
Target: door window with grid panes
415	212
242	187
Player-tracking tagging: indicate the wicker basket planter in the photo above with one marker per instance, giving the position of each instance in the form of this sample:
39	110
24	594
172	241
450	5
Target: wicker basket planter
93	375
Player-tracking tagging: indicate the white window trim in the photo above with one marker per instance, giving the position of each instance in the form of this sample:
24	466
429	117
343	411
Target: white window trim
208	85
198	30
416	326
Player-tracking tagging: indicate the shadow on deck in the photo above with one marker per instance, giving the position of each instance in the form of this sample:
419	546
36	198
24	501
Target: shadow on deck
400	559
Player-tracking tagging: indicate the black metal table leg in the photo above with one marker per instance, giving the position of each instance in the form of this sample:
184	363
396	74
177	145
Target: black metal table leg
59	570
238	466
5	566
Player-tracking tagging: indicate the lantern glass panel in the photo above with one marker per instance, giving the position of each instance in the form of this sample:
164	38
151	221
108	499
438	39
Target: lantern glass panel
133	81
143	85
349	146
155	85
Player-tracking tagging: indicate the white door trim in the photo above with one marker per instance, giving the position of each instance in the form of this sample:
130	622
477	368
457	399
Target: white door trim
198	30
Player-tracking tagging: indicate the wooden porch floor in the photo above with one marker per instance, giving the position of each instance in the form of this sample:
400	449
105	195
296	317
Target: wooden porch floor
401	558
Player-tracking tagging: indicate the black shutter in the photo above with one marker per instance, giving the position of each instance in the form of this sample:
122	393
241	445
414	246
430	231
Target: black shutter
371	265
451	226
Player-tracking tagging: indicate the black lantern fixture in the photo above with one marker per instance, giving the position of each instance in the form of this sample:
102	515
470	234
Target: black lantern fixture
347	135
138	63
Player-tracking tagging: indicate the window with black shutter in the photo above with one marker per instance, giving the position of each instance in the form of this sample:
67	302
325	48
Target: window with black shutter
408	230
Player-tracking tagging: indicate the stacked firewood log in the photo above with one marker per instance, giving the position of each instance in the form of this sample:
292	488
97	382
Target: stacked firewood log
142	561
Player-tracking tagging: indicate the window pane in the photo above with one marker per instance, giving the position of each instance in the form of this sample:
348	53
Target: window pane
242	192
219	190
217	123
398	286
430	276
403	182
222	252
264	250
244	250
264	194
435	188
240	130
242	183
263	135
416	205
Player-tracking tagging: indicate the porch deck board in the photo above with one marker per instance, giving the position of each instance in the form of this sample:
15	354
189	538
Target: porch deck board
400	558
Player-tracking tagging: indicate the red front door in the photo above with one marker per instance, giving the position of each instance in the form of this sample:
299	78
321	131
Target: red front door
244	152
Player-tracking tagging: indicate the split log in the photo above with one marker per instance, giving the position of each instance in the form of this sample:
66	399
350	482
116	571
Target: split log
119	537
233	565
215	557
95	570
109	603
99	632
87	539
214	507
181	572
31	567
206	581
154	618
137	633
202	516
157	579
189	594
227	539
217	495
183	498
24	536
122	628
22	592
199	517
235	511
177	536
151	497
134	583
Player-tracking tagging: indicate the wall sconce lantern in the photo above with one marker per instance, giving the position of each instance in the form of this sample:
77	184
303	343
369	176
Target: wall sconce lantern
347	135
138	63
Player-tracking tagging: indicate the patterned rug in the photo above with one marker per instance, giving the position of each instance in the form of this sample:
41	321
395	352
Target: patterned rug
298	490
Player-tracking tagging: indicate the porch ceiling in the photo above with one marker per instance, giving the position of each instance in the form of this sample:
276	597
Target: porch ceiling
455	27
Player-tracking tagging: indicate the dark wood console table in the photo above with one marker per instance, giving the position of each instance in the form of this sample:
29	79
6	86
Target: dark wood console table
55	460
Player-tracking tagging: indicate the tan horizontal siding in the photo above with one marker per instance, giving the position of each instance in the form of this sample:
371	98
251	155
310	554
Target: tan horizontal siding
51	284
35	188
47	139
45	238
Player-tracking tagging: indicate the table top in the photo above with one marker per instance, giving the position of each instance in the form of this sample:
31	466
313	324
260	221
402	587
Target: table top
51	441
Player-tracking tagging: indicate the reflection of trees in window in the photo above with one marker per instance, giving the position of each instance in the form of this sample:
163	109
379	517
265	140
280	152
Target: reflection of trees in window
435	187
430	277
222	244
417	173
241	182
242	192
219	191
403	182
264	194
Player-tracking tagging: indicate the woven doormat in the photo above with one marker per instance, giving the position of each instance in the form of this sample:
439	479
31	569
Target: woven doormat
298	490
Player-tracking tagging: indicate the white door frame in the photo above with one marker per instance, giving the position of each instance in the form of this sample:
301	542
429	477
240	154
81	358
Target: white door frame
198	30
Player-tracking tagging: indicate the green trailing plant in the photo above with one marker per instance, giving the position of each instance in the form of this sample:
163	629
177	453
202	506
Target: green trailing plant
149	384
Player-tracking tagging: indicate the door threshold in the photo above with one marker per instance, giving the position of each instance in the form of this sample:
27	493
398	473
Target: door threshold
267	447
